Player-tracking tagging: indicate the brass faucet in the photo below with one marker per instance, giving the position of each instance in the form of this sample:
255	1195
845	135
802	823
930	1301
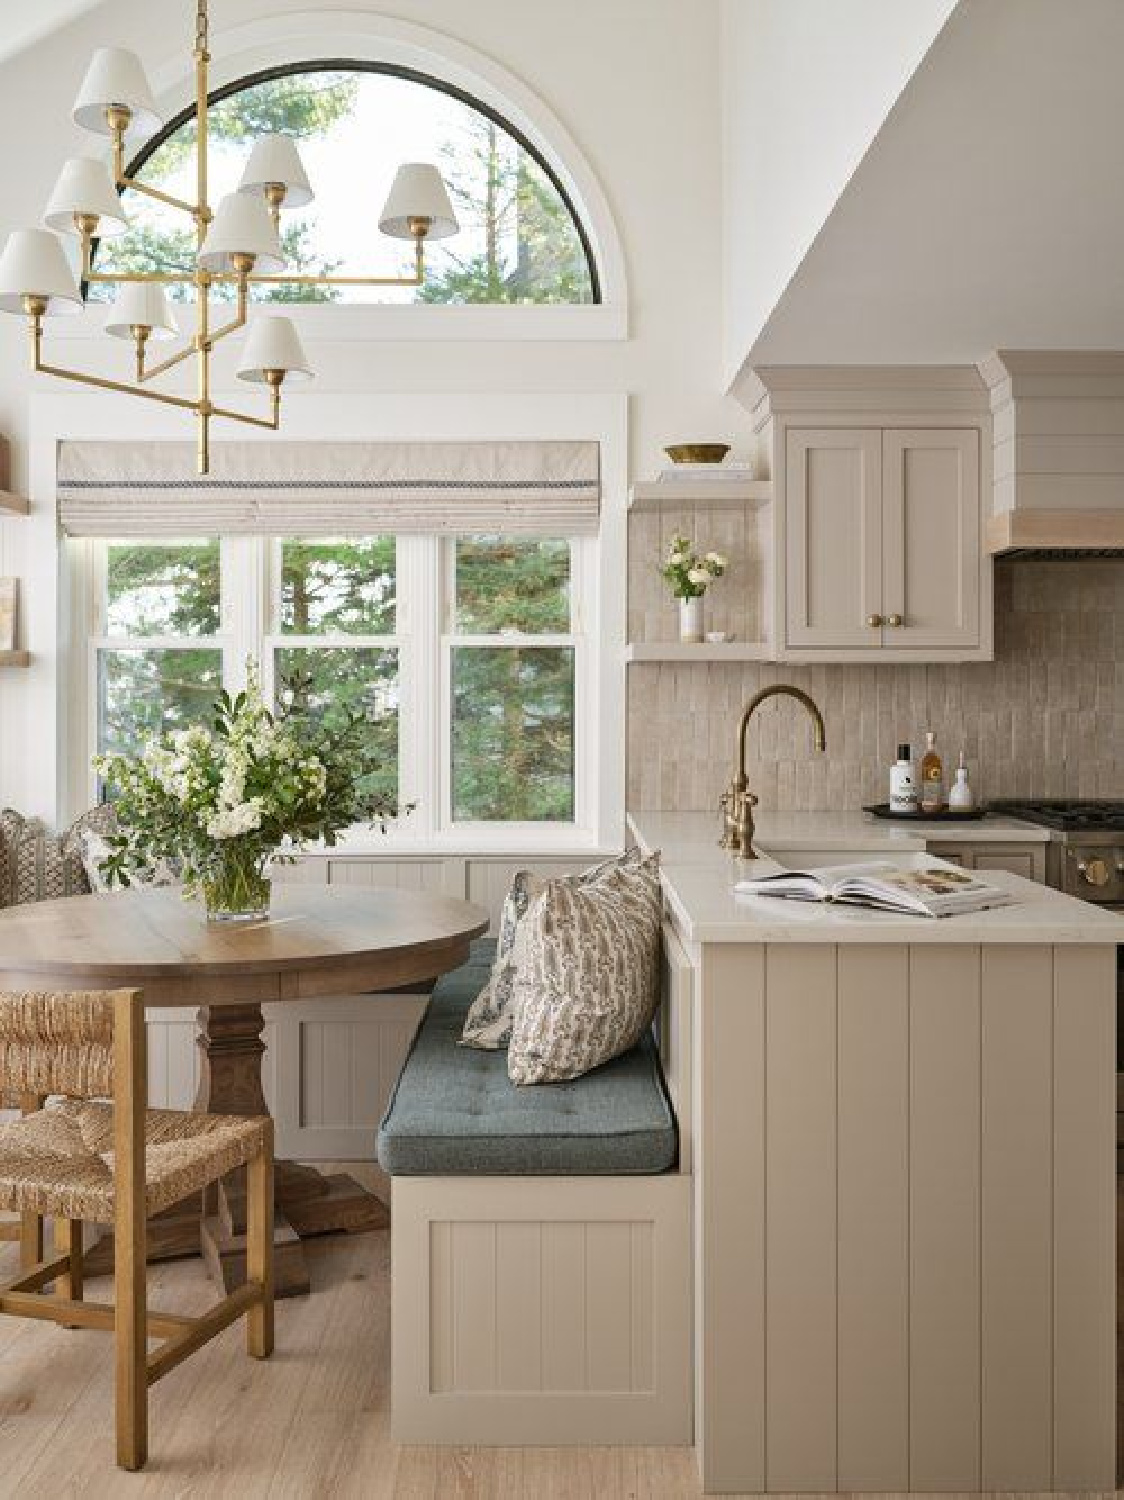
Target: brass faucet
737	802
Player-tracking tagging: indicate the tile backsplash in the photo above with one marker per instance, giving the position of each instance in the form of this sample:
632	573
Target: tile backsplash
1046	718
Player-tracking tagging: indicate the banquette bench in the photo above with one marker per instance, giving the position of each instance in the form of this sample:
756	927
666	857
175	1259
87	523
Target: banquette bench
540	1241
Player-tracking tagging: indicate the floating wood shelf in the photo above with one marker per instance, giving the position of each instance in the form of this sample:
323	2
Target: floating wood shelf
15	505
15	658
682	651
657	494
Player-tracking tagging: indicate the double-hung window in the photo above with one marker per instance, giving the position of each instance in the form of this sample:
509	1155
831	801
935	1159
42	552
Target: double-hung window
468	656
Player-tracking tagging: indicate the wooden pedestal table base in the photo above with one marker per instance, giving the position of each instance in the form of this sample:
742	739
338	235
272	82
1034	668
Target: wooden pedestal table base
321	942
307	1201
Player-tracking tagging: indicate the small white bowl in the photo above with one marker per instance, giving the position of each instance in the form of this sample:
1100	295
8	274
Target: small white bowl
718	637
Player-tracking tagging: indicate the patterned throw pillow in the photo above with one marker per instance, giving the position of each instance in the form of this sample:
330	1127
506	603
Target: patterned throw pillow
488	1022
587	973
95	850
36	865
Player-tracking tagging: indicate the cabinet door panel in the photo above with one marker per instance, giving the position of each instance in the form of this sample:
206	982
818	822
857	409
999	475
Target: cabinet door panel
931	536
833	515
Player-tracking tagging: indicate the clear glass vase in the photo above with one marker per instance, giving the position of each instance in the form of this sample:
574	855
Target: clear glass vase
237	889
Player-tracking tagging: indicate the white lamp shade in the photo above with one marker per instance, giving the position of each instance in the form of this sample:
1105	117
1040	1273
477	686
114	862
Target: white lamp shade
141	304
418	192
34	264
115	77
273	344
241	226
275	158
84	186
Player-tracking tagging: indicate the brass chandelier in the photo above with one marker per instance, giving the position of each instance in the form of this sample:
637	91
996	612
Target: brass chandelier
237	243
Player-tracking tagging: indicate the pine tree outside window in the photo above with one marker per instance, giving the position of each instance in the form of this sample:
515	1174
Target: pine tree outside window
521	241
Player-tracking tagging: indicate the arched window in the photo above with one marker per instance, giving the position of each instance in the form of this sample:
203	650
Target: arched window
520	240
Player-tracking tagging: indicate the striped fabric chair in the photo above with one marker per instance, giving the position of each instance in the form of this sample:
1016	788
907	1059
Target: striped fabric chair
83	1158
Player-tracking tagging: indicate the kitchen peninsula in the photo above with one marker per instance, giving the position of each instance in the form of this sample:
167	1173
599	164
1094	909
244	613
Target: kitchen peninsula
903	1142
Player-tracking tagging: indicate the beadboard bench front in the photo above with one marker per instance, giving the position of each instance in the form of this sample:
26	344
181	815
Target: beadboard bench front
549	1310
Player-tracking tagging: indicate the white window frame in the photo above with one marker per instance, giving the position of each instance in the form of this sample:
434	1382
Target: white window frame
57	616
424	639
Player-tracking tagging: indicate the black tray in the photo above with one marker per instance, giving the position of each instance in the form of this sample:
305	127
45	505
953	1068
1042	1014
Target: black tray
946	814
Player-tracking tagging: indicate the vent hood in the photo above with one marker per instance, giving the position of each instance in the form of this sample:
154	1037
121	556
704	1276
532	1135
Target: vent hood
1058	461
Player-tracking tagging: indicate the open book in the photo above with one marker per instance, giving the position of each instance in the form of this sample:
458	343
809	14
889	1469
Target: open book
928	889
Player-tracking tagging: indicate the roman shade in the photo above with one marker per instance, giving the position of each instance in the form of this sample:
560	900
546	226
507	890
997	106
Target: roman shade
329	489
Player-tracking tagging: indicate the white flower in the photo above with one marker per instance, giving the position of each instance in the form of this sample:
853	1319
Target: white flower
676	559
716	559
231	822
698	575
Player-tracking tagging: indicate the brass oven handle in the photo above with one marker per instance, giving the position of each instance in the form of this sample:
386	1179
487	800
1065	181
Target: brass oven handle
894	621
874	621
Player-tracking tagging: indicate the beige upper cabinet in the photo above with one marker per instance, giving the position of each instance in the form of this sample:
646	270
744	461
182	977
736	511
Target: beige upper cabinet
931	537
882	547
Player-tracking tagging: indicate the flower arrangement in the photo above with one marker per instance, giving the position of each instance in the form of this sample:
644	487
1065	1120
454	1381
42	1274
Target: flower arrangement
224	801
689	572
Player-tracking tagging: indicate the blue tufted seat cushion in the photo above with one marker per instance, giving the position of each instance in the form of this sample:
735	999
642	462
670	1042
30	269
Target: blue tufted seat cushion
455	1111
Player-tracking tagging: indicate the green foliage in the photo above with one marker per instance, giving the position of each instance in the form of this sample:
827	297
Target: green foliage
248	784
689	572
301	105
339	586
532	252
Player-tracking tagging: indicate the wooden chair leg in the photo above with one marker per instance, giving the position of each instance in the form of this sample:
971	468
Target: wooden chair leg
68	1242
31	1240
129	1233
31	1225
259	1248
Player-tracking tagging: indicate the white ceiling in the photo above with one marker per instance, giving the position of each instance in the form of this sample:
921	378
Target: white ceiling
25	23
989	211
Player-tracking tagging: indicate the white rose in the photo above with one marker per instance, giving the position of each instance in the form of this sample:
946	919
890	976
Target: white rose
698	575
716	559
676	559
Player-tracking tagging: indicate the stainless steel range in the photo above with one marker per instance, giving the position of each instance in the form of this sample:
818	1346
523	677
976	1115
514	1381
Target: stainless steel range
1085	855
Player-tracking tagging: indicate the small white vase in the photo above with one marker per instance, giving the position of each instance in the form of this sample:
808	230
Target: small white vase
691	620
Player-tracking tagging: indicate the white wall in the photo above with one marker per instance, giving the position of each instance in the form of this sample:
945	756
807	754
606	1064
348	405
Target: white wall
988	214
806	86
633	81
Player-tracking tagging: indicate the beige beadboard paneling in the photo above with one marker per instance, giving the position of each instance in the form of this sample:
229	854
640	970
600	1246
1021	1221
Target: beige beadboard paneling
873	1217
1016	1196
732	603
944	1214
1046	718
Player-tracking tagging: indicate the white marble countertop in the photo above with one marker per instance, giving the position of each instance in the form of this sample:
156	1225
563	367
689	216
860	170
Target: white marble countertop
699	879
695	834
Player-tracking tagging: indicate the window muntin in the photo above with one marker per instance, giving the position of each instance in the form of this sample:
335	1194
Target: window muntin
520	241
466	652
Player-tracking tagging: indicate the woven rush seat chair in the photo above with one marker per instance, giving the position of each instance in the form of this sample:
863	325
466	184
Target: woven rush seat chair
85	1159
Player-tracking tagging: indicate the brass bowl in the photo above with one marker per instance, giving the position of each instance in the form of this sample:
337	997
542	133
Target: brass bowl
697	453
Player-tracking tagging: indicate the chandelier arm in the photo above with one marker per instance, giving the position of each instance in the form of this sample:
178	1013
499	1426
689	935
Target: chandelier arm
102	384
197	211
121	278
170	363
272	422
309	279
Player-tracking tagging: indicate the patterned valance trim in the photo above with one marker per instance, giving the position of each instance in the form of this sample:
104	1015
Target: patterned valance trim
315	489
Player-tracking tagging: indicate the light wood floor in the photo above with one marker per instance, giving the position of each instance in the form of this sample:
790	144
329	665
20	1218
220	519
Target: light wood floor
310	1422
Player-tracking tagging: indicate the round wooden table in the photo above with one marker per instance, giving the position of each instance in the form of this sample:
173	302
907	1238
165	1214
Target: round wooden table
318	941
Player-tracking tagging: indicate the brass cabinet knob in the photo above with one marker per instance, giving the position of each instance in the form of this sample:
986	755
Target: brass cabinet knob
1094	872
874	621
894	620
